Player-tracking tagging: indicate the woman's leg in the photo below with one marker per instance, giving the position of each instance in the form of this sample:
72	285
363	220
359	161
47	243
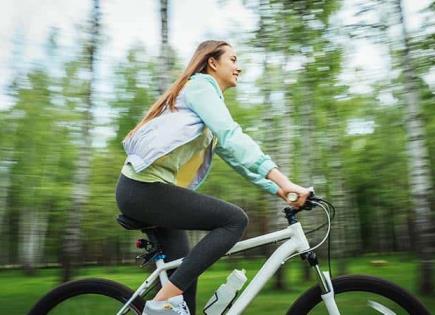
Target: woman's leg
175	245
174	207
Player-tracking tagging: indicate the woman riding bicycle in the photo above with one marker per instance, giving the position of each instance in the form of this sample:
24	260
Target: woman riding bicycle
169	155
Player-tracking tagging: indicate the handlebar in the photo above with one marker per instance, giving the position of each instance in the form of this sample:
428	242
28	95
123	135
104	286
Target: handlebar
308	205
311	202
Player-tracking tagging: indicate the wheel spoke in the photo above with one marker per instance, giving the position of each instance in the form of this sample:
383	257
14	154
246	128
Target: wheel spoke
380	308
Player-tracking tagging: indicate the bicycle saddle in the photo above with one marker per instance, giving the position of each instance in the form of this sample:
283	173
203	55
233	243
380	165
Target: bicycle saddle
131	224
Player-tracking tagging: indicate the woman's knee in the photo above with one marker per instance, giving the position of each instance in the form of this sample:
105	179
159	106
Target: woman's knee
244	219
239	219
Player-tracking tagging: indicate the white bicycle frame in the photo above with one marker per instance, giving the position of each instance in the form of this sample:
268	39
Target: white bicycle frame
296	243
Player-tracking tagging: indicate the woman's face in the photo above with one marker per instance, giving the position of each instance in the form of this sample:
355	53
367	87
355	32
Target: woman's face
225	70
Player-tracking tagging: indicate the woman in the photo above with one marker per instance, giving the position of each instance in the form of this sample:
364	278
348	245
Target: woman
169	155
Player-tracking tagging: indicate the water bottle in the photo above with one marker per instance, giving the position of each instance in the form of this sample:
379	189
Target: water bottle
226	293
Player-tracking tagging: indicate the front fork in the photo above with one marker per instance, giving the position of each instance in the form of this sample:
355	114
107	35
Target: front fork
325	283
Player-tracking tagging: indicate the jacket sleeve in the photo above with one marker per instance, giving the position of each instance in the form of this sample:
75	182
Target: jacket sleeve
234	146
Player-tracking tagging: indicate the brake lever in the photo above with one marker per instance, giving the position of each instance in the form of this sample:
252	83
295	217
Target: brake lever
309	204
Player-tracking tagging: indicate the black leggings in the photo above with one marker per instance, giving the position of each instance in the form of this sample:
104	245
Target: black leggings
175	209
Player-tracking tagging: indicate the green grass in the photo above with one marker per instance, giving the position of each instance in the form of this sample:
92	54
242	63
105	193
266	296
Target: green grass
18	292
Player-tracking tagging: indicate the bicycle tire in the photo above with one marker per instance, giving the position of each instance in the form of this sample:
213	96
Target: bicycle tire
357	283
71	289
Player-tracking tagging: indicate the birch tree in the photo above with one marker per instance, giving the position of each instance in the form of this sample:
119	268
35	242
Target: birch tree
419	163
389	17
72	238
164	63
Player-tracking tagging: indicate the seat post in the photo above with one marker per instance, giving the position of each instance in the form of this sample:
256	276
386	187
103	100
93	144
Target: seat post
150	233
159	258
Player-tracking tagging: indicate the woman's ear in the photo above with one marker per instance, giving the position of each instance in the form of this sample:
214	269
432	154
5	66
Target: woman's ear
212	63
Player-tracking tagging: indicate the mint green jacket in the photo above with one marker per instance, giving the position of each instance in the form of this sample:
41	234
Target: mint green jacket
200	104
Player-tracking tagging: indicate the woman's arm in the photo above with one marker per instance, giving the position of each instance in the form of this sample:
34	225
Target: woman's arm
286	186
235	147
201	97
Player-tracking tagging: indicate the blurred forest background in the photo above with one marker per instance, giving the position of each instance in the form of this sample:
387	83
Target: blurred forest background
371	153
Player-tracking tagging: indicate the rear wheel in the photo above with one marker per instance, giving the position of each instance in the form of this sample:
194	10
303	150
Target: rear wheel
88	296
363	295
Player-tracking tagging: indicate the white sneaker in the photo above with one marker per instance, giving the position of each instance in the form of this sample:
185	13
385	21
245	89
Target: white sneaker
173	306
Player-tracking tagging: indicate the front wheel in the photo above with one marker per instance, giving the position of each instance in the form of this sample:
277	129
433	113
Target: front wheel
363	295
88	296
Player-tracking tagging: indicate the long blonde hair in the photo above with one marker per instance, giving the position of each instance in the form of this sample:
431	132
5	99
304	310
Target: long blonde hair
198	63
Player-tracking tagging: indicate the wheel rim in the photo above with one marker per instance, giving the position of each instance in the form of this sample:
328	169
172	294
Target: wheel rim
362	303
90	304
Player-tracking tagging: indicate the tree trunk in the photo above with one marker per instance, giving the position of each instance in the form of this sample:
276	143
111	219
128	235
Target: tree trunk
33	228
346	229
164	48
419	164
4	189
71	242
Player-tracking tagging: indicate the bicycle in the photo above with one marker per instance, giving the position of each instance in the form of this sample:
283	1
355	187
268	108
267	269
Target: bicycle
330	296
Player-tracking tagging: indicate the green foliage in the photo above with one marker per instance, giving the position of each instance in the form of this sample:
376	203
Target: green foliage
39	135
399	269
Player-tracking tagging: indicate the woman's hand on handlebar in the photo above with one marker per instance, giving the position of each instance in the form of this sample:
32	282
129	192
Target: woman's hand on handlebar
286	187
301	193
